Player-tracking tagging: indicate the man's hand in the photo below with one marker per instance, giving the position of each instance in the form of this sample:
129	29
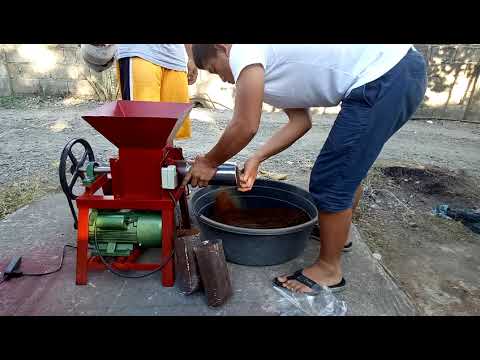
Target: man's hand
201	172
192	69
192	72
249	174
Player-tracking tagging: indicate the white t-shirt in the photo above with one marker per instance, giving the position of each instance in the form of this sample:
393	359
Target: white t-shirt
315	75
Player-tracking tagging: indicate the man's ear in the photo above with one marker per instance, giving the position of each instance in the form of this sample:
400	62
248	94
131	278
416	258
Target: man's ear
222	48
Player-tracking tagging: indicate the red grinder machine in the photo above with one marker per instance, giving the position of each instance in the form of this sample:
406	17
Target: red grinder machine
129	206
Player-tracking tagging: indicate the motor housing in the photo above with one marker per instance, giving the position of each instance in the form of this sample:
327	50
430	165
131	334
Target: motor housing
118	232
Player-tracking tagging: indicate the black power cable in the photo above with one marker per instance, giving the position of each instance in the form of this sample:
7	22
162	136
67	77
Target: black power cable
17	274
59	266
111	269
8	276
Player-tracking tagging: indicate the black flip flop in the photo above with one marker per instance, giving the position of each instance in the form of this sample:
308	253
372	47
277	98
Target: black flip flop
316	288
348	247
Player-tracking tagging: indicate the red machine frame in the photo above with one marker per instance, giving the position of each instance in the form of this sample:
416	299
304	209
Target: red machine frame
166	205
141	131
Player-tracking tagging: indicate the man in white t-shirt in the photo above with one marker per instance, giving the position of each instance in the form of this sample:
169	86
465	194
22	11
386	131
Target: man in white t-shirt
379	88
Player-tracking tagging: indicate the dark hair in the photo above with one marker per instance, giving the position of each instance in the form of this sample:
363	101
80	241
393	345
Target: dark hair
202	53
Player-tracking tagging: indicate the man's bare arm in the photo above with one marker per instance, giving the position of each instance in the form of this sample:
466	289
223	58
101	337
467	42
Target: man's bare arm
299	123
246	118
188	49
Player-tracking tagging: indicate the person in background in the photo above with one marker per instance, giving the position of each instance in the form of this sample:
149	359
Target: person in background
157	72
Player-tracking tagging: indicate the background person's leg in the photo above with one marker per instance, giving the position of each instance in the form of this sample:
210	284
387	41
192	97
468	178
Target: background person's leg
175	89
139	79
146	80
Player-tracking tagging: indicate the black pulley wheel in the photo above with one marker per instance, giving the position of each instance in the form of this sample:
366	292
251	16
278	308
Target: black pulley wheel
74	170
77	163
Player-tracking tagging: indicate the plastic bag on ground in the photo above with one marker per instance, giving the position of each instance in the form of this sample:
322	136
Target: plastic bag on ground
186	268
213	271
298	304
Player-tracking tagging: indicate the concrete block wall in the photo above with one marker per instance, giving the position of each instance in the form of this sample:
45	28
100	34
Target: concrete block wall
46	69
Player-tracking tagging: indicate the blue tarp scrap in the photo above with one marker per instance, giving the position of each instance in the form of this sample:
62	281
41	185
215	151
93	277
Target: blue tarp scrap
469	217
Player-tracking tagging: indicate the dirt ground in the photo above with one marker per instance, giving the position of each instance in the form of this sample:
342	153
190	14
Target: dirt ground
436	261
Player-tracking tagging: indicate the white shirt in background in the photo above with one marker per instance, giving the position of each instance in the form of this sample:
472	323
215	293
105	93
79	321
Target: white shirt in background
169	56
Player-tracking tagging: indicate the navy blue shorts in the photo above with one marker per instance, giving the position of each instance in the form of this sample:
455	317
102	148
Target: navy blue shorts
369	116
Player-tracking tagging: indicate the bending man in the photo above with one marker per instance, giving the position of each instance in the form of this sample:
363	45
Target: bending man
379	88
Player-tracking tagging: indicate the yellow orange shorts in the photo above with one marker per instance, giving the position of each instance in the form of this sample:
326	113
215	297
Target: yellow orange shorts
142	80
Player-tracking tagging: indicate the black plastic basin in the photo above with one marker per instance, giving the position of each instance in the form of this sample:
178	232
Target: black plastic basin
257	247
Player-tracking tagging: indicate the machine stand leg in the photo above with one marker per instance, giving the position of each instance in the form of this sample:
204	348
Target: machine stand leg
168	227
82	247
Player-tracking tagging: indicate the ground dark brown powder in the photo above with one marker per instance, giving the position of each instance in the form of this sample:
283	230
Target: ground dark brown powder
226	212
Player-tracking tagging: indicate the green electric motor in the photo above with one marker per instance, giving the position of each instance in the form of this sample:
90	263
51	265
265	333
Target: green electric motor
117	232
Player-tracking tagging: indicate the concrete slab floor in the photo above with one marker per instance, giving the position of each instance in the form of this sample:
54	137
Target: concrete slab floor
38	232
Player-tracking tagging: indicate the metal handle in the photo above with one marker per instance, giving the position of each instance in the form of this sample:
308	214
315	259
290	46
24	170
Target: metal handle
227	173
